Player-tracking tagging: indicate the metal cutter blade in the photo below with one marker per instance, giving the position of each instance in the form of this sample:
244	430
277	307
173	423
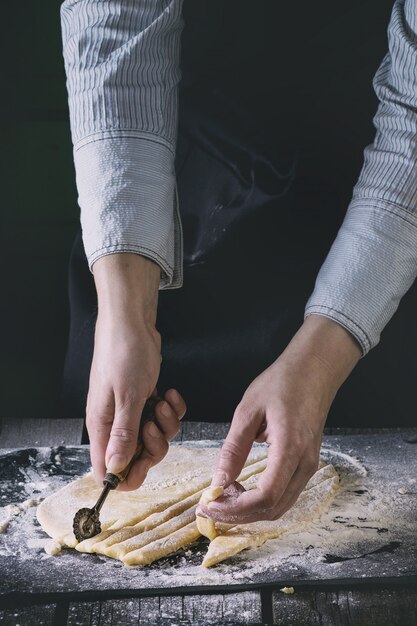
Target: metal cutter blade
86	521
86	524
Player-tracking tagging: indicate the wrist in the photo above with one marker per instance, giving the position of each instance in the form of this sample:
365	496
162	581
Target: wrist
331	344
323	353
127	286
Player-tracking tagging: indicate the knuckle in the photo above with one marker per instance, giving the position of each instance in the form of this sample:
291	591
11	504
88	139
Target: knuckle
127	399
97	423
229	452
123	434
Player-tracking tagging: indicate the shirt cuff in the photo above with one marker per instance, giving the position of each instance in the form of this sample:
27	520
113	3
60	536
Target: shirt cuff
129	201
370	266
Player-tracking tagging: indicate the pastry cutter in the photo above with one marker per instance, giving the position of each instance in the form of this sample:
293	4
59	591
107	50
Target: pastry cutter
86	522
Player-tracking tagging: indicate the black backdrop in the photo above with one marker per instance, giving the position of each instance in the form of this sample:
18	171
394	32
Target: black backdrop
276	106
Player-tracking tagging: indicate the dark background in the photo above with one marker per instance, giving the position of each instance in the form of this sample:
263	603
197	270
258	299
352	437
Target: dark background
310	64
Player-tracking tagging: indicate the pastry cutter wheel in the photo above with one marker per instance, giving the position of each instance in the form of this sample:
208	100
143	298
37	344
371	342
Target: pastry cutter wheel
86	522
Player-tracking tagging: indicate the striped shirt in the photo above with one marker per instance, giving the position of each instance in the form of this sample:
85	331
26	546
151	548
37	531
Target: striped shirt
122	60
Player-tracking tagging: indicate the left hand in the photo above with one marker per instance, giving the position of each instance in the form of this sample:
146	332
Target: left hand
286	407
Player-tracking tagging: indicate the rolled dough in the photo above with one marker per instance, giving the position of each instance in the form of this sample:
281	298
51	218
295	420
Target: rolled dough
157	519
184	473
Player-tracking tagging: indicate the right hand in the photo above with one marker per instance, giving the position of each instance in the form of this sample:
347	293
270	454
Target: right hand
125	370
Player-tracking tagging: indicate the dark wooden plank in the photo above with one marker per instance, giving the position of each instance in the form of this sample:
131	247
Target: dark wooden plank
197	431
195	610
171	608
83	613
42	615
241	608
28	432
192	431
337	430
355	607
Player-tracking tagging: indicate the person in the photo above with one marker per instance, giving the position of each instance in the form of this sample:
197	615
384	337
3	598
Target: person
122	66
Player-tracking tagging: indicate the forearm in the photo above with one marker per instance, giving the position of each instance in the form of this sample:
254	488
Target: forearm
373	261
122	65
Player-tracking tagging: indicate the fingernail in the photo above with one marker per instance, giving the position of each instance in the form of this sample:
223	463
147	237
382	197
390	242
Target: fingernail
219	479
153	430
117	463
212	506
165	409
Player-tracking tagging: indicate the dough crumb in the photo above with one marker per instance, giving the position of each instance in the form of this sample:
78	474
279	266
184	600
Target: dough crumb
27	504
402	490
12	509
4	526
287	590
52	547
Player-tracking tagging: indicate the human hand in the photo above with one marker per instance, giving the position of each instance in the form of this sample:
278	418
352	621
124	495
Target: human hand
286	407
125	370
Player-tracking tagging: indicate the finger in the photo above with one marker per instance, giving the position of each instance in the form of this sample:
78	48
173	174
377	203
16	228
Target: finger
99	419
155	447
124	435
292	493
177	402
168	422
289	498
236	447
296	485
233	491
258	503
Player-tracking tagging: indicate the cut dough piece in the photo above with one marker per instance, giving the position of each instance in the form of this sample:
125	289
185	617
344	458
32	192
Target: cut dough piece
204	524
324	486
310	505
326	471
119	550
184	471
104	540
163	547
119	532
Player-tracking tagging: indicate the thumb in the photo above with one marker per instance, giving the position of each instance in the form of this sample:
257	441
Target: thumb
123	438
235	449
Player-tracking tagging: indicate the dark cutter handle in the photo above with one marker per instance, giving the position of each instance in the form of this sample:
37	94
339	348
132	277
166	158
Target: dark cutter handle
148	414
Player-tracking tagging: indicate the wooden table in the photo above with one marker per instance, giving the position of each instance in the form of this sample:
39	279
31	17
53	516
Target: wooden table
365	605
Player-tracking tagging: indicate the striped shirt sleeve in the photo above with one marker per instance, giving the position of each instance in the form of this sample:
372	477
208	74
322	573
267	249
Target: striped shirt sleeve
373	260
122	66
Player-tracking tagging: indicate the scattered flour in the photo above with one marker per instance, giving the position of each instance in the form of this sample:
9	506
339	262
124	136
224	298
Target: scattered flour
358	521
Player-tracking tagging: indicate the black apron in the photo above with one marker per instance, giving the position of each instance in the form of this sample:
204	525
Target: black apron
261	196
